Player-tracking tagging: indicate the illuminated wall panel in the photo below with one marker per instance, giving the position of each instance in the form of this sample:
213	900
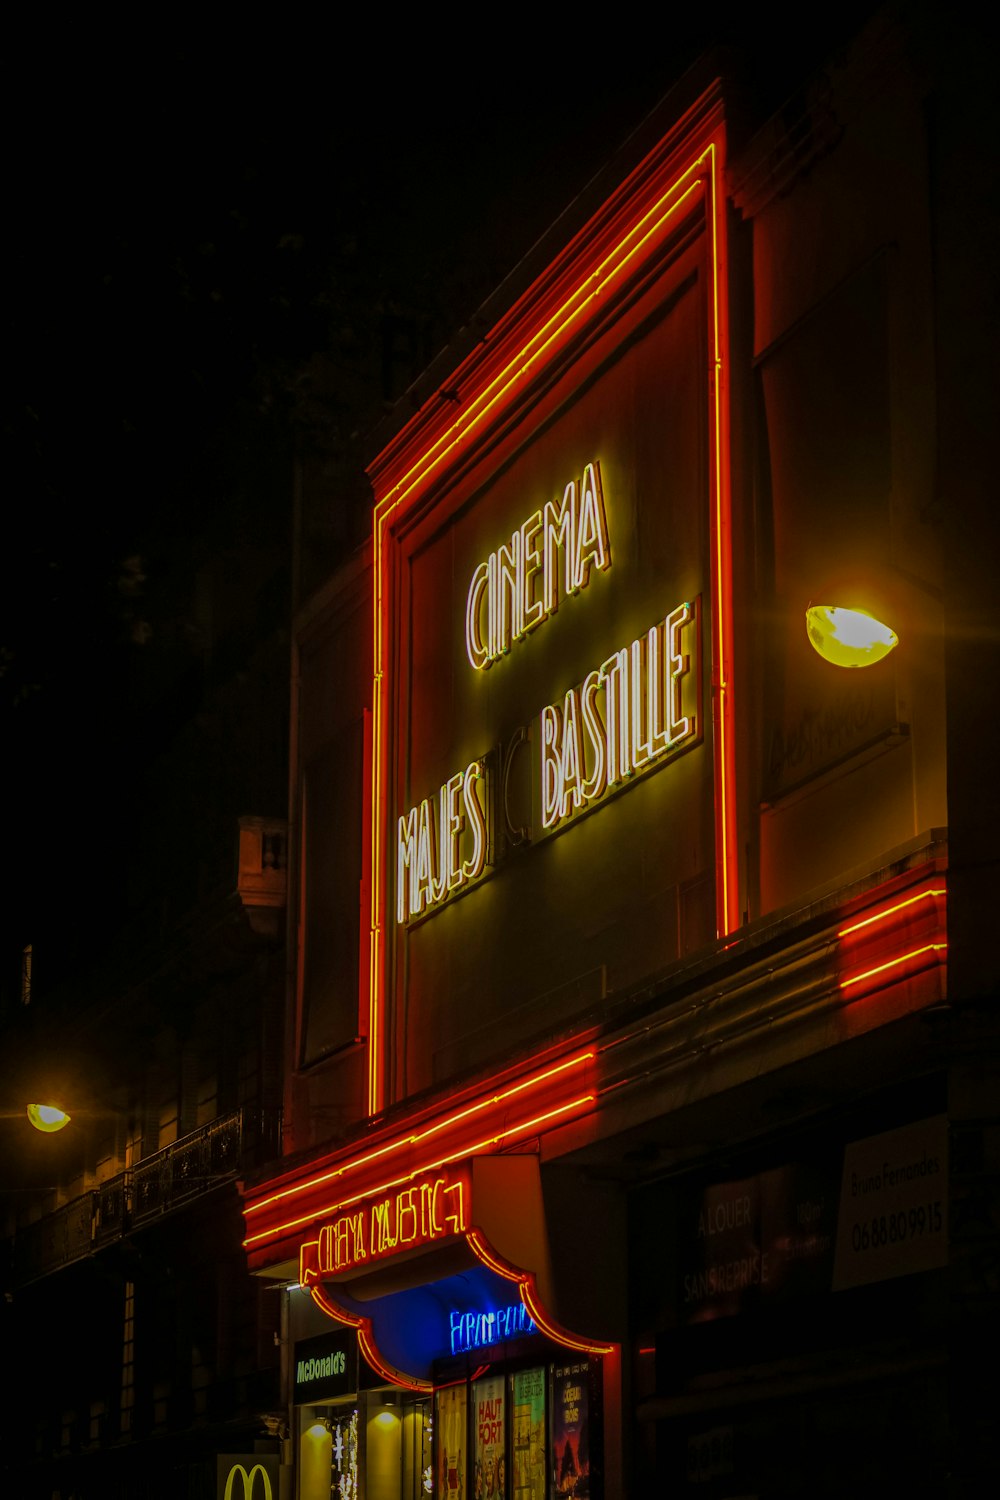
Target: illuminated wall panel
570	915
552	807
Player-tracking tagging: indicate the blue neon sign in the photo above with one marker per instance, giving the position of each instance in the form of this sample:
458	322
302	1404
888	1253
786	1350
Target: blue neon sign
477	1330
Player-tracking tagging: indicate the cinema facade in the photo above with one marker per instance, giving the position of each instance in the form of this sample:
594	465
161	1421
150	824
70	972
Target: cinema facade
627	1061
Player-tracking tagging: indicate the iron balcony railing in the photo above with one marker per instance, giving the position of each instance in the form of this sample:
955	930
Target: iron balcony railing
160	1184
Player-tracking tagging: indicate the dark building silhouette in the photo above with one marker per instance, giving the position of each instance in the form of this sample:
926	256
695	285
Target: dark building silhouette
149	1007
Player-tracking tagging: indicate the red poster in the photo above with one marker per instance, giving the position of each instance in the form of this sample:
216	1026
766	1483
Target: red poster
488	1432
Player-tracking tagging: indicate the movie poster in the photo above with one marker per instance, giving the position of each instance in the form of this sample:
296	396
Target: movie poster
528	1434
570	1431
452	1442
490	1480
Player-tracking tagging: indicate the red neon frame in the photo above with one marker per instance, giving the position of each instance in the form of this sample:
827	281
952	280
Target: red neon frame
367	1343
493	382
933	893
527	1290
501	1137
897	961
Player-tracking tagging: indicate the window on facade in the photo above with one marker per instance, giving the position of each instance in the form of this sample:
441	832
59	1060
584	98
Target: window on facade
207	1103
168	1123
128	1360
248	1080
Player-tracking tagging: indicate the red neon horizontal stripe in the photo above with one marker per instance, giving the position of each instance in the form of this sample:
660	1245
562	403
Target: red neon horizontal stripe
465	1149
414	1139
894	963
888	911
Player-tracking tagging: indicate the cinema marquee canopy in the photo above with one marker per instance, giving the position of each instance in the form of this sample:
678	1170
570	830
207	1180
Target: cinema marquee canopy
551	797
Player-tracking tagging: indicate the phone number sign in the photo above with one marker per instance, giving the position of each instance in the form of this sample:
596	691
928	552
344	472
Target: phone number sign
893	1218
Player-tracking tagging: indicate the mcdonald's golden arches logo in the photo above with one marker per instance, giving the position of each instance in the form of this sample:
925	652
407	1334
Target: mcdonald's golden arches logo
242	1483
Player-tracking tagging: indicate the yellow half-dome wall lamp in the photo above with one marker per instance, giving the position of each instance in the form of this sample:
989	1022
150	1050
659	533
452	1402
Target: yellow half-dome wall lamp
848	637
47	1118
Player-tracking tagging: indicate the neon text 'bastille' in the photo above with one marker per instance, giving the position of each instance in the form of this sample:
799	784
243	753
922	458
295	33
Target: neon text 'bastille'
518	586
585	751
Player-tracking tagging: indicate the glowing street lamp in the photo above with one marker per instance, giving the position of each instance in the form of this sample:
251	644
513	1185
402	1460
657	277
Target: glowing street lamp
848	637
47	1117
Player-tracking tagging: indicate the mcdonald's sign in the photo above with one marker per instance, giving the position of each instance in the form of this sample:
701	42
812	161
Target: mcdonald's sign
247	1476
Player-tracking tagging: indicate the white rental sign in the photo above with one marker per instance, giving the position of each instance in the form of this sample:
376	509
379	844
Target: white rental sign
893	1217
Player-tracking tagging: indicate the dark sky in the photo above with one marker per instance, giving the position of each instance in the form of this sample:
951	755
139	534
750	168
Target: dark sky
195	218
197	224
194	215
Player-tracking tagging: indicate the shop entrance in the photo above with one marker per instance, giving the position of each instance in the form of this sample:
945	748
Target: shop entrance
376	1446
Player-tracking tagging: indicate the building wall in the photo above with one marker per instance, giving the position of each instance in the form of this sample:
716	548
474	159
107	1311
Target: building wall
766	994
838	209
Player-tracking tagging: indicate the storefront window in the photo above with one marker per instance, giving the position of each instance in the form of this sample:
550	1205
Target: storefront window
378	1447
523	1434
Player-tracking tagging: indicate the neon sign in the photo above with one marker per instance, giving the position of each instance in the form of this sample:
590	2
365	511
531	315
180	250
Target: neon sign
583	754
634	711
517	587
625	716
506	1110
429	863
477	1330
585	285
432	1208
316	1368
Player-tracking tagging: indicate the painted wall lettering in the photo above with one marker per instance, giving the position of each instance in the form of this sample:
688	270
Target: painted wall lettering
551	554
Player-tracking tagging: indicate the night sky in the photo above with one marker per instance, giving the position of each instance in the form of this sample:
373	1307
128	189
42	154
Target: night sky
205	235
193	224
